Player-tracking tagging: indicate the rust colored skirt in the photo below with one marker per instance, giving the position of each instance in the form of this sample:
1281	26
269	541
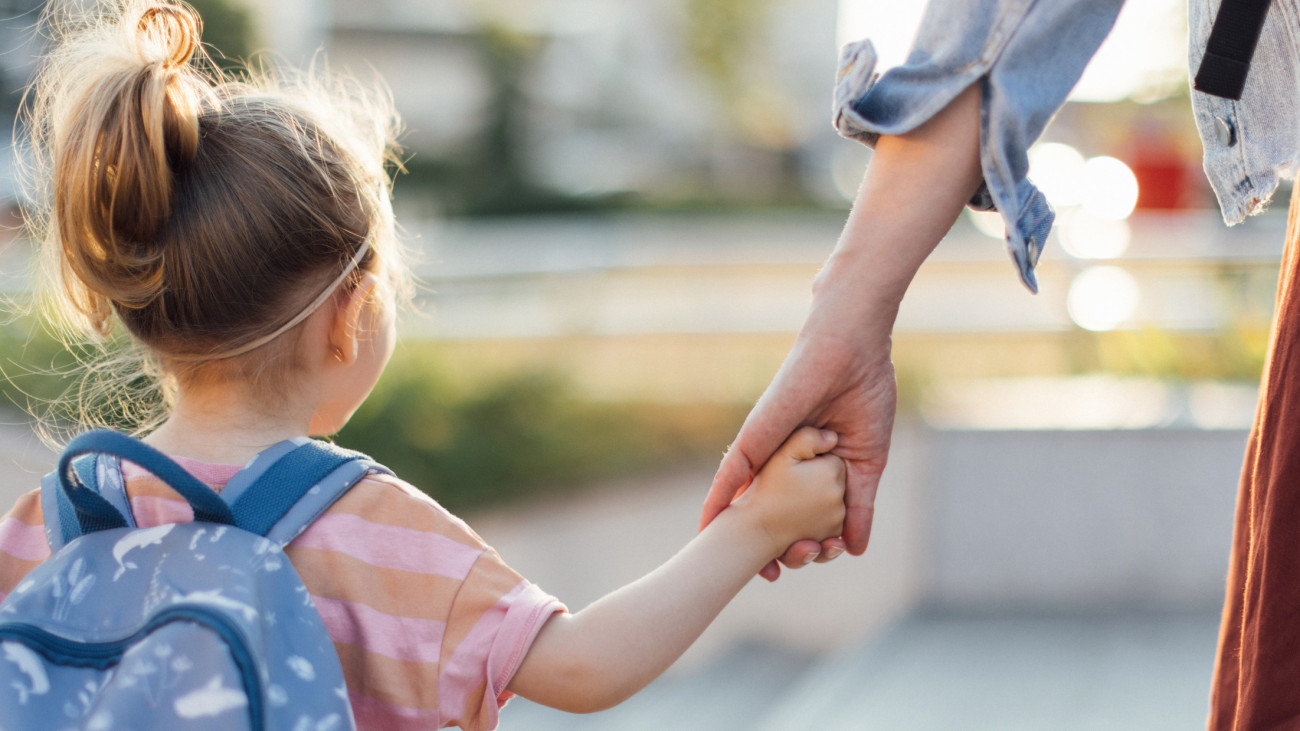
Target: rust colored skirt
1257	673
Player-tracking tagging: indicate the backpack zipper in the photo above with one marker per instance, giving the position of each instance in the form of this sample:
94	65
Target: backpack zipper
103	655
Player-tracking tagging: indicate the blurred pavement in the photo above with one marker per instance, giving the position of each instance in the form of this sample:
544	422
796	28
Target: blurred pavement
937	672
1017	579
1030	579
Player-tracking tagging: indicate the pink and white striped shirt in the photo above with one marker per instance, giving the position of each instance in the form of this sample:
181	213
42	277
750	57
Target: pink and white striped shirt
429	623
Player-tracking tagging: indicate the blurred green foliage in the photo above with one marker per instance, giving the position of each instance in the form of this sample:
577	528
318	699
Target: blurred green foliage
227	31
720	36
41	376
1235	354
467	442
526	434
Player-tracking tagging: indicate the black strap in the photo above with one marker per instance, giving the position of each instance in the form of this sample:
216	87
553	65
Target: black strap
1231	45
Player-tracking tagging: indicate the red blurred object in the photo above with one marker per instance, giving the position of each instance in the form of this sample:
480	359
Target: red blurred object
1163	174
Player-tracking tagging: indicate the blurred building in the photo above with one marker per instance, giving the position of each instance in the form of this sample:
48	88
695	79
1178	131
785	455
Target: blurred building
600	97
679	101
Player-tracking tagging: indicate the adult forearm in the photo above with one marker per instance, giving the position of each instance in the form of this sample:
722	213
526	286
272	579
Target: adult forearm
603	654
915	187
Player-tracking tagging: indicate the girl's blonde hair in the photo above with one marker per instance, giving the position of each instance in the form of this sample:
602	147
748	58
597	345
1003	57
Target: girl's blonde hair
204	212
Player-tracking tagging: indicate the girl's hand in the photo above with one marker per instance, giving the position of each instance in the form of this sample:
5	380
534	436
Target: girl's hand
799	493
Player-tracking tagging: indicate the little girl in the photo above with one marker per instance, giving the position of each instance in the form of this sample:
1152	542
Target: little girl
242	233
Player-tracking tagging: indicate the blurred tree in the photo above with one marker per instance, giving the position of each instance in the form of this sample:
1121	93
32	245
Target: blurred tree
720	36
724	40
506	54
491	177
227	31
718	32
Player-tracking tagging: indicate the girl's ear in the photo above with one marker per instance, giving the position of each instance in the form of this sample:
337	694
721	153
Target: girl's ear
345	330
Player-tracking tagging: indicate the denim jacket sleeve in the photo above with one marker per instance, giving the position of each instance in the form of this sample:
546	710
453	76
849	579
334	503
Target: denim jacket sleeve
1250	143
1026	55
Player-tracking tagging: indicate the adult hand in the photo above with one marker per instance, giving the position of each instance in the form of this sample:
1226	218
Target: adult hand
833	378
839	374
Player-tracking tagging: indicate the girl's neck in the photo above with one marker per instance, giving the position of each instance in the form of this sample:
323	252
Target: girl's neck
215	425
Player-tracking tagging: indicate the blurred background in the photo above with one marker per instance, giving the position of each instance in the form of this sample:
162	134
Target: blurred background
617	209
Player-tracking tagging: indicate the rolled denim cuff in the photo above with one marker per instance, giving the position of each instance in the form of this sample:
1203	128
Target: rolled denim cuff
1027	223
856	75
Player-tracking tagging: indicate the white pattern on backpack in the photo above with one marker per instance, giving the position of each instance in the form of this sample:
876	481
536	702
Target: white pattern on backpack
211	700
214	597
137	539
305	723
87	696
79	584
29	663
301	667
129	628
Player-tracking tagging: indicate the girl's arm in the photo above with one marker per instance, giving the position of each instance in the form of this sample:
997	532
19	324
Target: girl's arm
603	654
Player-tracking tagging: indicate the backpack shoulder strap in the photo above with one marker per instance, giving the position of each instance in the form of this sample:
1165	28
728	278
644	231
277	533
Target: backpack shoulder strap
287	487
100	473
75	503
277	495
60	518
61	524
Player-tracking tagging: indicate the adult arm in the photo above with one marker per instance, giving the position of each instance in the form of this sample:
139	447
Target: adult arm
952	125
839	374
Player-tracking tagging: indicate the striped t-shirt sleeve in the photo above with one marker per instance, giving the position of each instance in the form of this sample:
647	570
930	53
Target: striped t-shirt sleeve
23	545
429	623
493	621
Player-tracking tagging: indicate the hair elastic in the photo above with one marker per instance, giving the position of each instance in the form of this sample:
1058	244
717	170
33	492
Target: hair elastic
302	315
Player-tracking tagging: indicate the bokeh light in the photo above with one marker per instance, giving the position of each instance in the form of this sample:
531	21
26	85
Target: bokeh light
1102	298
989	223
1085	236
1110	189
1057	170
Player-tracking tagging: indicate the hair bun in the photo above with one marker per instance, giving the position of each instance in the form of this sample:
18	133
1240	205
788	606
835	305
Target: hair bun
169	35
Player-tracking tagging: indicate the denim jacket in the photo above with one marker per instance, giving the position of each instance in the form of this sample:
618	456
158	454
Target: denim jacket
1028	54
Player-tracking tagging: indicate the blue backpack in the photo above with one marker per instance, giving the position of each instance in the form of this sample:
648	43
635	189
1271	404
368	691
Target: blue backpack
201	625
